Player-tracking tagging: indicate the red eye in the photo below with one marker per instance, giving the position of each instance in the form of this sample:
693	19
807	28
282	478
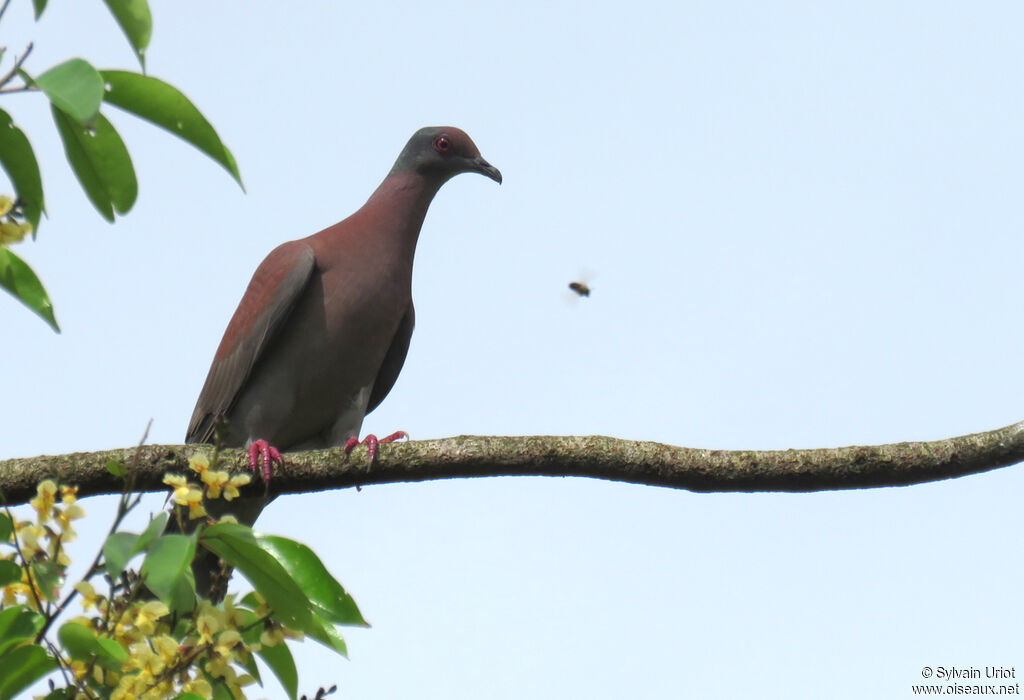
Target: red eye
442	144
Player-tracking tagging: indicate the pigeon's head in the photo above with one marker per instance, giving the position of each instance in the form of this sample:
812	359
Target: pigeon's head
442	152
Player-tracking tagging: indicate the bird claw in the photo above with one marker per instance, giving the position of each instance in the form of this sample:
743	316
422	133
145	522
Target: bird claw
263	454
372	441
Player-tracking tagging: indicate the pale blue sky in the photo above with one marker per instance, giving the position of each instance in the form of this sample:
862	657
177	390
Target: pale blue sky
803	225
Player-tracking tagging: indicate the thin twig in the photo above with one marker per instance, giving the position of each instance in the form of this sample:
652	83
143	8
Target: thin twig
3	8
17	66
61	662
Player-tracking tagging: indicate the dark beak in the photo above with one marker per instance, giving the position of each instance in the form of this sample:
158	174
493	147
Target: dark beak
479	165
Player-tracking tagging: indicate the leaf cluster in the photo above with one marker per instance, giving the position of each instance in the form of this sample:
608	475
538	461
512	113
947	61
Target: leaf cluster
99	159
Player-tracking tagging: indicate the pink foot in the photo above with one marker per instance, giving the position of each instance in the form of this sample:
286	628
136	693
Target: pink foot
371	441
263	453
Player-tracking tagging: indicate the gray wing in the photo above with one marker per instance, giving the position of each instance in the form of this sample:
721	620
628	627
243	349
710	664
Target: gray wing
393	360
269	299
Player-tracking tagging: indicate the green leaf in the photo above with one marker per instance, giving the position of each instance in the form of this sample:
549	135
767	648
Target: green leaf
251	635
251	667
78	640
9	572
18	624
323	631
166	567
155	528
19	279
221	690
329	598
39	6
21	667
48	575
164	105
117	552
328	635
65	693
82	643
6	527
111	650
279	659
136	22
74	87
236	545
251	600
183	597
115	468
19	162
189	696
101	163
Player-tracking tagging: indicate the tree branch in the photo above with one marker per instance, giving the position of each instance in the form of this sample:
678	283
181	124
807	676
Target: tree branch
650	463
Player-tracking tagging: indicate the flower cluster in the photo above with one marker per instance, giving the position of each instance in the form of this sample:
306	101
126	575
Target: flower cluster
40	545
166	659
126	644
216	484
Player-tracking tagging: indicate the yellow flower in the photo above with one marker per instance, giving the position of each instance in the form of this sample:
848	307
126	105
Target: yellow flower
12	591
195	507
56	552
147	614
226	642
127	634
134	686
167	647
67	532
90	598
79	669
30	536
231	488
13	232
207	625
199	686
70	511
242	680
199	463
6	204
271	637
186	494
217	667
235	617
181	487
214	481
142	657
45	498
123	689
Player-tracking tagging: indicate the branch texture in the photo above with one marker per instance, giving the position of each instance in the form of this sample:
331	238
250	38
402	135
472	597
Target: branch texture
650	463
